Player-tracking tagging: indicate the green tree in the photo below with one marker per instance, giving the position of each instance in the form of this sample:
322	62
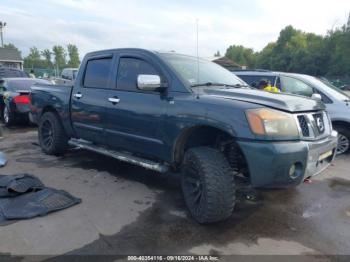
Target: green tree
47	54
264	57
73	54
10	45
217	54
241	55
33	60
59	56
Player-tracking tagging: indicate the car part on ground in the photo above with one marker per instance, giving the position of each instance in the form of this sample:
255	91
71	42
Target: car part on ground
24	196
3	159
13	185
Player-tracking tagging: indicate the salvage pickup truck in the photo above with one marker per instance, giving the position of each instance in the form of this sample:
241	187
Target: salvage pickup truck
166	111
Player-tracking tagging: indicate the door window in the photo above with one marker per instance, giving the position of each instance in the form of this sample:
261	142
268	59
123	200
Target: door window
294	86
97	73
128	71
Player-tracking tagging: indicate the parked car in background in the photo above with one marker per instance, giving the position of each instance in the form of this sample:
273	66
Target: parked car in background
11	72
337	102
14	98
68	77
166	111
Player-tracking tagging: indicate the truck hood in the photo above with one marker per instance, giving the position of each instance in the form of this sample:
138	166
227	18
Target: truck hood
284	102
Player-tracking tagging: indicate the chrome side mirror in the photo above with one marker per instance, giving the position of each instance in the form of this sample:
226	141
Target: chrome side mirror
316	96
148	82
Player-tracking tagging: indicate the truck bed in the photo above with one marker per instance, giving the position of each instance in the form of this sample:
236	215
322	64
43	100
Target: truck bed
46	97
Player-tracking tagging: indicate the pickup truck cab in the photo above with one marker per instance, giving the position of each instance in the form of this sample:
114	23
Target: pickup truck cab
166	111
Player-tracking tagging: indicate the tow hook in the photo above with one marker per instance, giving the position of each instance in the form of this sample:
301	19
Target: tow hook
308	180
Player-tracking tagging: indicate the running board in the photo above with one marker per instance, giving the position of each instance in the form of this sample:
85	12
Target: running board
83	144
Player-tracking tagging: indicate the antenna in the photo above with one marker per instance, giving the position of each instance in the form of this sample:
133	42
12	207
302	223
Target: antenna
197	93
197	51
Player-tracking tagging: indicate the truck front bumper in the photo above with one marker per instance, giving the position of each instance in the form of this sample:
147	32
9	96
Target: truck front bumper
284	164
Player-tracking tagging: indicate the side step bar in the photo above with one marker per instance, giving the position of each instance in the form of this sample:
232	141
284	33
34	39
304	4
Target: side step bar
122	156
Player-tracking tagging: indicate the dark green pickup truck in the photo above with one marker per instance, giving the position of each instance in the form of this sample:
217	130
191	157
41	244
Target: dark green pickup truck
166	111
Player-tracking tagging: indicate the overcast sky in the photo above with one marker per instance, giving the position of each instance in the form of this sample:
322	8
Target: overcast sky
163	25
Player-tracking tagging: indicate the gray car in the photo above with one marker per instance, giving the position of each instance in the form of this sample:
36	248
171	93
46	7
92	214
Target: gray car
337	102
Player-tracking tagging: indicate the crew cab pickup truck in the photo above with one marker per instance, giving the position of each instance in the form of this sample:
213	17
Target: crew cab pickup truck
166	111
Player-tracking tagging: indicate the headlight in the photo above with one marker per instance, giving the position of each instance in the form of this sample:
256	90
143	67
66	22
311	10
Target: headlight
270	122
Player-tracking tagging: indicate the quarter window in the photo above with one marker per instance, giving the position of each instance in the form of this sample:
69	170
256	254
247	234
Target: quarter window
128	71
97	73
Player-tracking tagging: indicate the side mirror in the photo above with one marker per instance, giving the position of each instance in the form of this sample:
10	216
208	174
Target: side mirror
316	97
148	82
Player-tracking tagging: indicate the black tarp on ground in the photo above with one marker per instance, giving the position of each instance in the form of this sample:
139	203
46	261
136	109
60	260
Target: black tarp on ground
24	196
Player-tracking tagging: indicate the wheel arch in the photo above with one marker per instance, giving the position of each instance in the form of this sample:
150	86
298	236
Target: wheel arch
64	120
199	135
341	123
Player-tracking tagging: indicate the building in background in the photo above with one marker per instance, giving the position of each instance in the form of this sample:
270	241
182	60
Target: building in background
10	57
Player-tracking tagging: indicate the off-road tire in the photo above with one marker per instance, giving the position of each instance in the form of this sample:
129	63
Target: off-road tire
52	137
208	170
346	133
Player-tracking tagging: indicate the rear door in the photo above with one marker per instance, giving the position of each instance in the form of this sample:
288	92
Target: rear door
89	99
134	119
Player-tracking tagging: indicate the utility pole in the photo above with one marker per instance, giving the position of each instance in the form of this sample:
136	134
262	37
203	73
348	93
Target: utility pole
2	25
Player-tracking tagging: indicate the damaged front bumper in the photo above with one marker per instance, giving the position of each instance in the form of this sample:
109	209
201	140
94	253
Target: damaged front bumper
285	164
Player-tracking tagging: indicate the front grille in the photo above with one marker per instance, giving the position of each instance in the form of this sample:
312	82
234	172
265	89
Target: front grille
319	122
304	126
314	125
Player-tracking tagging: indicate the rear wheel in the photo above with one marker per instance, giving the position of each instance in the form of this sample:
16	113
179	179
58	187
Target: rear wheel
52	137
8	117
208	185
343	140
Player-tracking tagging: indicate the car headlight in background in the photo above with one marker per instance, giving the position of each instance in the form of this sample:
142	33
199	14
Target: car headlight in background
270	122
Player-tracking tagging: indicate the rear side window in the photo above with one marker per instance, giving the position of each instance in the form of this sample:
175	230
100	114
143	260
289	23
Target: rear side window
97	73
128	71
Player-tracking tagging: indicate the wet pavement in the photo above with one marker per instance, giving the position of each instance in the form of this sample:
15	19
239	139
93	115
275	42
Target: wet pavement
129	210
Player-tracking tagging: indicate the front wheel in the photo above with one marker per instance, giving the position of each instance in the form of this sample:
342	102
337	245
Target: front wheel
208	185
52	137
343	140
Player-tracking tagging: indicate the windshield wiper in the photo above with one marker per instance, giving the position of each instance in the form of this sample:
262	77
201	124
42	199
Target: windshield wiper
219	84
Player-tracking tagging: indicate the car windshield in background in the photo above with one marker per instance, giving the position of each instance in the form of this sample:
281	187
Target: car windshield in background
253	80
331	89
200	72
21	84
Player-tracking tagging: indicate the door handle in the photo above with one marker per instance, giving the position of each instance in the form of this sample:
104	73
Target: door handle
78	95
114	100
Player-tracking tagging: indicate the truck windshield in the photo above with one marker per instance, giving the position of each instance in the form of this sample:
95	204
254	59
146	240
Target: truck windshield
200	72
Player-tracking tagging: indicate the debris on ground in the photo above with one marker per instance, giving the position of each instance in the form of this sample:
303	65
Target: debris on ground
24	196
3	159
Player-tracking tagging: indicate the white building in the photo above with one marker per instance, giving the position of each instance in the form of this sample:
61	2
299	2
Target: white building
10	57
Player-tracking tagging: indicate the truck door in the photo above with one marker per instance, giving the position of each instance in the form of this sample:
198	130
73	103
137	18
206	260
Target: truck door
134	117
89	100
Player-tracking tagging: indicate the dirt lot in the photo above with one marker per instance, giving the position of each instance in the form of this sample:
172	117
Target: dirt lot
129	210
